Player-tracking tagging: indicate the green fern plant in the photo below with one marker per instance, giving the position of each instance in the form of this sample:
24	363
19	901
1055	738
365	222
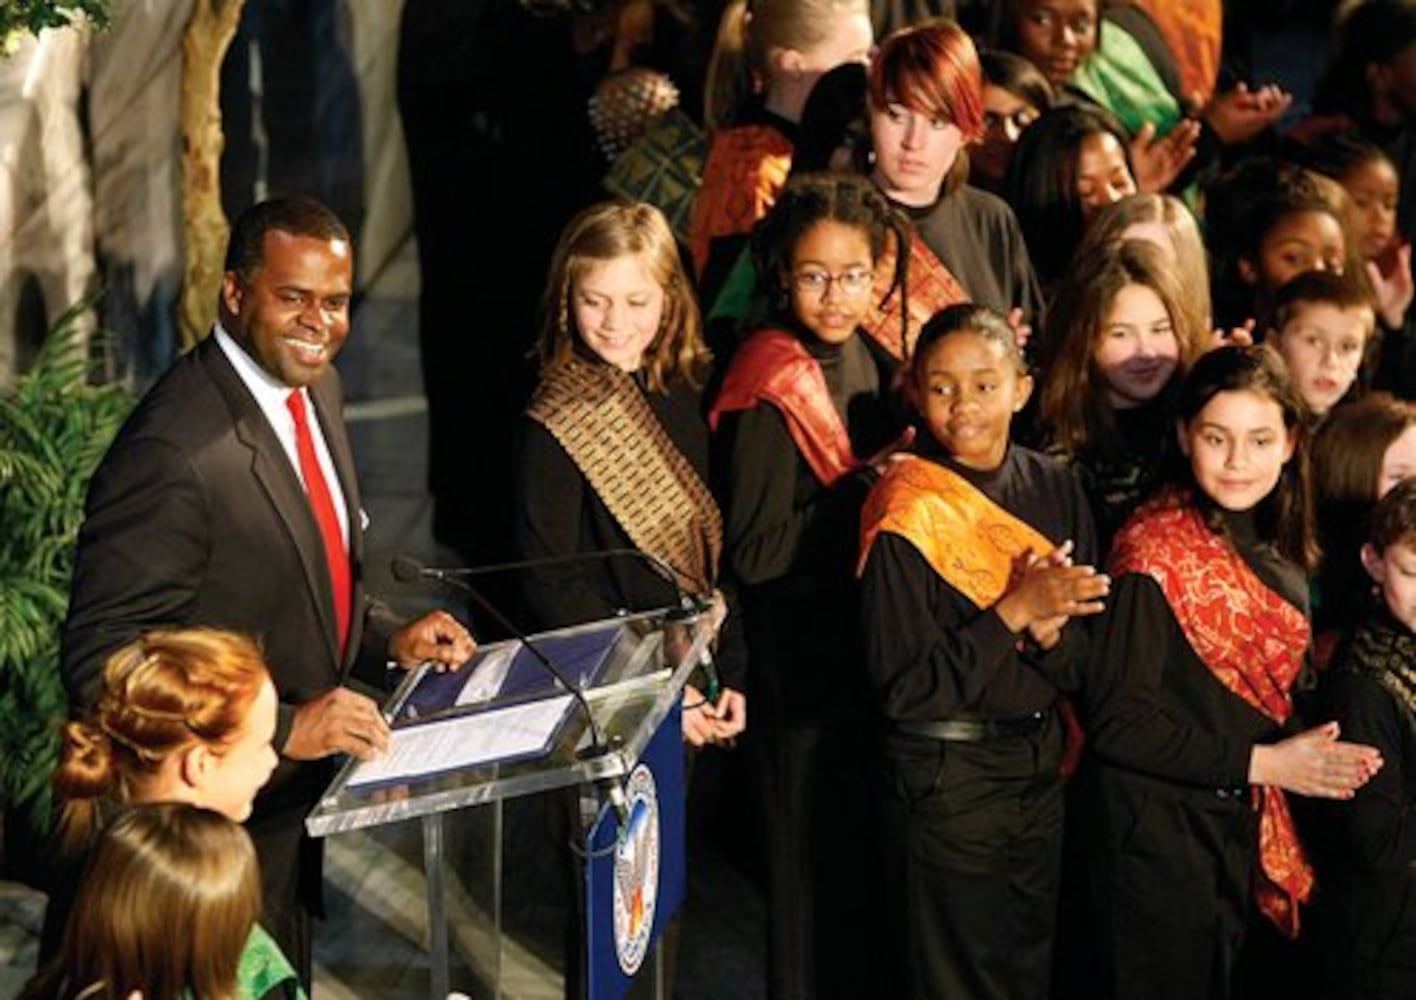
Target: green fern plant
54	427
33	16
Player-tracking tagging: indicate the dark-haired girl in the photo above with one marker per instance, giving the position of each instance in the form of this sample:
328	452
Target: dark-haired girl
803	409
1188	695
968	585
1068	165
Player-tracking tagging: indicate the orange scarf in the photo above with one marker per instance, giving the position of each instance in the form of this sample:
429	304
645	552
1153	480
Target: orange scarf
742	176
966	538
929	287
772	366
1250	638
1192	30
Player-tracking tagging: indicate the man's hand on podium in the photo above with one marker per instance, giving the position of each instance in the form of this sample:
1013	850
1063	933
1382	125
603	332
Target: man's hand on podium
338	721
436	638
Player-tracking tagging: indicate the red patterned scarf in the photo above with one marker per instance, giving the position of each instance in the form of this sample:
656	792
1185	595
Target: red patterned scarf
1250	638
929	287
772	366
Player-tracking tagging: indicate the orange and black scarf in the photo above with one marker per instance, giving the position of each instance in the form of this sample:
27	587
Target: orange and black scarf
1250	638
773	367
742	176
966	538
599	416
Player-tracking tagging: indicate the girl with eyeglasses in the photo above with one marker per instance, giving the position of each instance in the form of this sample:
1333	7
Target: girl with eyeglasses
803	423
1014	93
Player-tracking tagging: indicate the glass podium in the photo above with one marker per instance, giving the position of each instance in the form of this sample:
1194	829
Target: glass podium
498	728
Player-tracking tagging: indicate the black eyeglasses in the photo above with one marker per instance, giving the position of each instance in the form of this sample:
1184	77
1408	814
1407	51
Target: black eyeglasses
816	282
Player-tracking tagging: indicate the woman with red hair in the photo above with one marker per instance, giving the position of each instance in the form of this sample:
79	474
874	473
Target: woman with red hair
926	106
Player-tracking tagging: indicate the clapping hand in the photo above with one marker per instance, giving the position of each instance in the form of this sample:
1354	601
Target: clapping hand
1158	161
1046	588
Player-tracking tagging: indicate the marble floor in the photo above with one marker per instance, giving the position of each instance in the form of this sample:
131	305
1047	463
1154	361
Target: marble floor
374	942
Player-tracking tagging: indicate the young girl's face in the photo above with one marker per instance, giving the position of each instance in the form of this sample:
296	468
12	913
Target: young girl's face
830	281
1237	446
914	151
1005	115
232	775
1137	350
1374	188
618	309
1056	35
969	387
1297	242
1394	570
1102	174
1398	461
1322	346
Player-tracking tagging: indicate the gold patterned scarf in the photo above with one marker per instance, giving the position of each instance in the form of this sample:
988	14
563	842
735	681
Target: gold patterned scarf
599	415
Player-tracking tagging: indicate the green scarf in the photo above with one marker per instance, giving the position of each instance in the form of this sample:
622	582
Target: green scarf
264	967
1119	76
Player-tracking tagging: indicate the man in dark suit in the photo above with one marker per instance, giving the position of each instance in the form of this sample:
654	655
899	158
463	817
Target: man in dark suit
229	499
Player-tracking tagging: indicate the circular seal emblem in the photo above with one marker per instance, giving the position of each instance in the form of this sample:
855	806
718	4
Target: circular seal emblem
637	871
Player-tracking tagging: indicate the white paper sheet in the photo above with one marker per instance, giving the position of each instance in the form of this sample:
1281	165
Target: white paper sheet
464	742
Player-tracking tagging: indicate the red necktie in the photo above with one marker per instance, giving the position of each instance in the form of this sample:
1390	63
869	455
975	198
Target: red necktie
322	505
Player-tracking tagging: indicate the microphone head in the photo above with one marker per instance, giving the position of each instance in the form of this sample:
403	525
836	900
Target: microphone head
406	569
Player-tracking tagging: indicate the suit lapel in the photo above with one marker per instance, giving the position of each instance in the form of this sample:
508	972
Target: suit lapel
277	479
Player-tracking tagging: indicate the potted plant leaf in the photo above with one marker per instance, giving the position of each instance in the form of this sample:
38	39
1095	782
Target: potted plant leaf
55	425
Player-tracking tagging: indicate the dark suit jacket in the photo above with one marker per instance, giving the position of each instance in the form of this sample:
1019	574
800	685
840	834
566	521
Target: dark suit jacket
196	517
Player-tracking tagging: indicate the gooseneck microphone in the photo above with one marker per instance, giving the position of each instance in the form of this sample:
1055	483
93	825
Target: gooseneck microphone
661	568
689	604
406	569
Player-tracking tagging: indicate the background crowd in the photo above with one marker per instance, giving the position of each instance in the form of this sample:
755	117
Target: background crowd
1024	386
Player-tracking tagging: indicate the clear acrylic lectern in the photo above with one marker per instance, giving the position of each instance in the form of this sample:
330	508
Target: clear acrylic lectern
501	727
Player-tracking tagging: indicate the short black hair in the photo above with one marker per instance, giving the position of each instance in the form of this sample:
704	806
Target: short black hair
1393	519
297	215
970	317
1017	76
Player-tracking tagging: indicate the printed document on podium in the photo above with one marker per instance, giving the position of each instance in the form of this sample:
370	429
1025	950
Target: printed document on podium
460	742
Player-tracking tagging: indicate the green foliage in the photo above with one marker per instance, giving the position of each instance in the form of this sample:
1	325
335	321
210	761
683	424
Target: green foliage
54	428
33	16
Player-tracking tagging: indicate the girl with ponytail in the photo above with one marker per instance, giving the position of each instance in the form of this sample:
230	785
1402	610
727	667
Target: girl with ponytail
184	716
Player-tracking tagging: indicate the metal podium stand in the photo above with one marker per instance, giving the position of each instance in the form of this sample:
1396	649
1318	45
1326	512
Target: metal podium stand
637	686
